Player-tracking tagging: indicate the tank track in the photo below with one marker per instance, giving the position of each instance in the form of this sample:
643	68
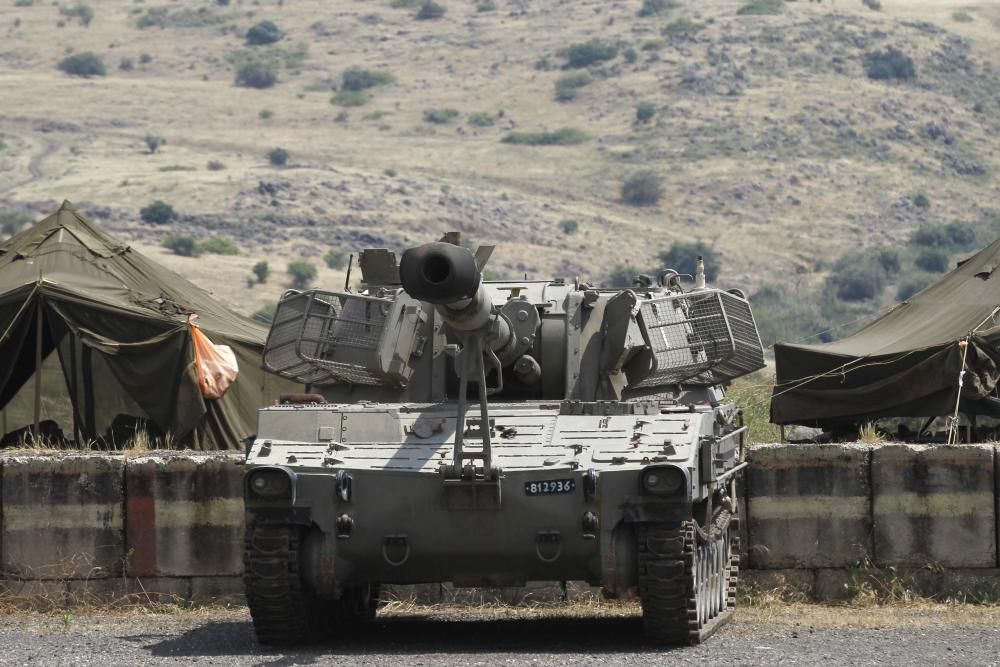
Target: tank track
284	610
687	578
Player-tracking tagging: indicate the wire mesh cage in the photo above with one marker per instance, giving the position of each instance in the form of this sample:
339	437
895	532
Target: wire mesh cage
704	338
322	337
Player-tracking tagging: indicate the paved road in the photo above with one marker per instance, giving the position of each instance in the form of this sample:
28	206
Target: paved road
226	638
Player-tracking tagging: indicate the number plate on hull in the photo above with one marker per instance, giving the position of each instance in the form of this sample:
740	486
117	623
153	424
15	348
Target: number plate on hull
549	487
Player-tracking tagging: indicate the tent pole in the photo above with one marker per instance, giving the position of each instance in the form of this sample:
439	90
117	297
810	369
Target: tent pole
38	370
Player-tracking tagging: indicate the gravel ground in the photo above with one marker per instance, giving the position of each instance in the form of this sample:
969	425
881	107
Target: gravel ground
781	635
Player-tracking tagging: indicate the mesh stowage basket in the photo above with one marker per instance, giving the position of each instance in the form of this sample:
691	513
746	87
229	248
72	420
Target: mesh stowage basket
325	337
704	337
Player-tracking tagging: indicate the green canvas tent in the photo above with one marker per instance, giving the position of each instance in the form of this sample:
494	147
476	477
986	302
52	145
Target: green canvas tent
905	363
117	323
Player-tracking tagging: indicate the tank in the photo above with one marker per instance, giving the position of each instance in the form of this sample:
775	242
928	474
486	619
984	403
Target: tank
494	433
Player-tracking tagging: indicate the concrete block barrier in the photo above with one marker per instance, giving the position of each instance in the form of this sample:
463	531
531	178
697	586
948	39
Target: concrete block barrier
808	506
62	516
184	515
935	504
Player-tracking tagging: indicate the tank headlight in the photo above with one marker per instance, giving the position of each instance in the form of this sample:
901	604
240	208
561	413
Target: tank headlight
664	481
270	484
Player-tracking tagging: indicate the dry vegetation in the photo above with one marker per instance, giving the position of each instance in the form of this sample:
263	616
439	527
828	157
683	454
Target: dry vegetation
771	141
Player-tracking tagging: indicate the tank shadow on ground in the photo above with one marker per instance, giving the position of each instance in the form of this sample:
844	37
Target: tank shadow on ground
418	636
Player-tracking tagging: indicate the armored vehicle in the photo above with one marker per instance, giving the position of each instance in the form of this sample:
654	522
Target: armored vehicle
495	433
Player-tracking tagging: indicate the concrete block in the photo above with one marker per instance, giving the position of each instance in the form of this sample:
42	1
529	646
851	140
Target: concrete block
99	592
158	590
226	591
808	506
184	515
62	516
34	594
935	504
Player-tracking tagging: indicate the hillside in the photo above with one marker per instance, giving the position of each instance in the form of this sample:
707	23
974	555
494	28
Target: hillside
771	141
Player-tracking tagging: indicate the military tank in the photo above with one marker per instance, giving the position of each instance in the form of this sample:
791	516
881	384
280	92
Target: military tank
496	433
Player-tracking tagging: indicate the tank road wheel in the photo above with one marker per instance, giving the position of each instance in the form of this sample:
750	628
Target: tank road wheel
687	578
284	609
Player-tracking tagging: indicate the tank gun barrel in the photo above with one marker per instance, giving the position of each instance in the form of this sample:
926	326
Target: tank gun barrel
447	276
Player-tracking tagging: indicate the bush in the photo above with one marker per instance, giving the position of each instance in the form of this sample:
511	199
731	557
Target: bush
266	312
83	64
80	11
145	59
889	64
652	7
874	5
185	246
217	246
683	258
486	6
623	275
645	111
430	10
153	142
630	55
962	17
644	188
126	64
585	54
682	26
215	165
761	7
920	200
404	4
350	98
911	286
302	273
158	213
265	114
932	261
256	74
481	119
439	116
356	78
857	287
954	236
566	136
264	32
861	276
277	157
568	84
335	259
261	272
569	226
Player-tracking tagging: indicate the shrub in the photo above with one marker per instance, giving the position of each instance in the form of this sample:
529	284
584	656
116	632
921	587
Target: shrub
83	64
302	273
356	78
683	258
81	11
644	188
185	246
962	17
278	157
954	235
350	98
585	54
682	26
911	286
439	116
24	3
623	275
404	4
857	287
630	55
920	200
219	246
153	142
481	119
861	276
566	136
430	10
126	64
645	111
568	84
256	74
145	59
652	7
266	312
215	165
569	226
889	64
874	5
264	32
335	259
932	261
158	213
265	114
486	6
761	7
261	272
